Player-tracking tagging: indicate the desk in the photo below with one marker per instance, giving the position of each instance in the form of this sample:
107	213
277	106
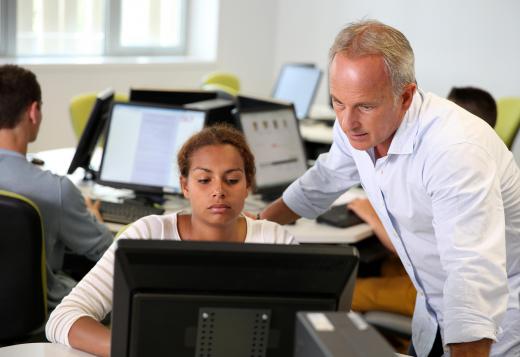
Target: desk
305	230
41	350
51	350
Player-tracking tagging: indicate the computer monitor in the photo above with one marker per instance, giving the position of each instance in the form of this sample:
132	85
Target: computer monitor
218	109
273	135
170	97
298	83
141	146
94	128
222	299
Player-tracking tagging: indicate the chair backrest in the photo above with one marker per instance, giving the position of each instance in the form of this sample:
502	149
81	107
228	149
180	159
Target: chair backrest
23	292
508	119
80	107
221	81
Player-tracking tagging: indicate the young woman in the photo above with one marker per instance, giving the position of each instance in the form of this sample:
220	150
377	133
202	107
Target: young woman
217	170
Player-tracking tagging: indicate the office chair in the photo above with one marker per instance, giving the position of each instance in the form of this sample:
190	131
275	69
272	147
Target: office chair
23	292
508	119
80	107
221	81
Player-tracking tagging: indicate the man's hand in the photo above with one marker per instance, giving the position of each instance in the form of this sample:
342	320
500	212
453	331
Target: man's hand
93	207
480	348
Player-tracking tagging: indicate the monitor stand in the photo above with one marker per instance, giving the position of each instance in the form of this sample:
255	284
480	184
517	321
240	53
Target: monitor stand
90	174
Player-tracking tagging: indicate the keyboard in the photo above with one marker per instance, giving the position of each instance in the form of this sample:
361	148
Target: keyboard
125	213
340	216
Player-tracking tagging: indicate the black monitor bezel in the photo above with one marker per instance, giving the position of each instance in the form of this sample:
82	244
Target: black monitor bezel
138	188
315	89
298	272
171	97
256	105
93	130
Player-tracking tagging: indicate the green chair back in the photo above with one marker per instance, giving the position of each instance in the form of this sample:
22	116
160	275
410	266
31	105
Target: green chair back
23	275
80	107
508	119
222	81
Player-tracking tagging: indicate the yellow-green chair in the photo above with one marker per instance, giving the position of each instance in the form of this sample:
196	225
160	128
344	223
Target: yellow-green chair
508	119
221	81
81	106
23	274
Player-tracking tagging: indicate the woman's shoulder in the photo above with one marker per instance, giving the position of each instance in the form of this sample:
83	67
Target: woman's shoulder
264	231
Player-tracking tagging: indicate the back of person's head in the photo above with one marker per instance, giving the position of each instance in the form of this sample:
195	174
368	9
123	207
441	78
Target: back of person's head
19	88
370	37
476	101
219	134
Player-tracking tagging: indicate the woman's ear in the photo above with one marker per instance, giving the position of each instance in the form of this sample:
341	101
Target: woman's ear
184	187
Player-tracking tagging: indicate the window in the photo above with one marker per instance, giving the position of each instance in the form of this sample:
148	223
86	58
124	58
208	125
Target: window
92	27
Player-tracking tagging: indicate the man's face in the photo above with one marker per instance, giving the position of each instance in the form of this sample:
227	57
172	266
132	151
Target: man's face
362	97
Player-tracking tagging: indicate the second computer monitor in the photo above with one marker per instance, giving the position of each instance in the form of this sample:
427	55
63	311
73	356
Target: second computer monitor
297	83
274	138
141	146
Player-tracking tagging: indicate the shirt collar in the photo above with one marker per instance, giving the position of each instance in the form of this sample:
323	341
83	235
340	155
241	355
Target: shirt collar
404	139
6	152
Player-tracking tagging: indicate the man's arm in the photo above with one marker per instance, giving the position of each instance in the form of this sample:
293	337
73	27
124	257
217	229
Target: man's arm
480	348
279	212
468	218
79	230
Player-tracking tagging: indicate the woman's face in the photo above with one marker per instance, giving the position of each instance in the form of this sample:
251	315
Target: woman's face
216	184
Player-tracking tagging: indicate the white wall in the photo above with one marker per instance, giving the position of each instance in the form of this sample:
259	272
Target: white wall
462	42
456	43
245	46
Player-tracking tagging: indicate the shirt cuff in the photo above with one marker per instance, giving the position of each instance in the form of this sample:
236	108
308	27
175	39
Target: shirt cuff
467	330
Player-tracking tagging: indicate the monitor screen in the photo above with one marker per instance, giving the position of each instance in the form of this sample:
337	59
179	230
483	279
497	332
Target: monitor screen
94	128
141	146
274	138
298	83
222	299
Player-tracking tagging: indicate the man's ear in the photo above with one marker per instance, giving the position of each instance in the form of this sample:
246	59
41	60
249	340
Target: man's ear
407	96
34	112
184	187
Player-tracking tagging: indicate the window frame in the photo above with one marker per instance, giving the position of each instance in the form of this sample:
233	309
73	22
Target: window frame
111	47
113	30
7	27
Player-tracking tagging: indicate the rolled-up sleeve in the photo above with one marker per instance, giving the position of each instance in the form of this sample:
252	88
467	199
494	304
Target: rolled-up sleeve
332	174
469	223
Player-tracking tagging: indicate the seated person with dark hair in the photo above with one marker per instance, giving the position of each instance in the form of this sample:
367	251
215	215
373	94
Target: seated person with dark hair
476	101
67	222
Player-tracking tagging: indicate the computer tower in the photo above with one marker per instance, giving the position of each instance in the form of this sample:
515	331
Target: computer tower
337	334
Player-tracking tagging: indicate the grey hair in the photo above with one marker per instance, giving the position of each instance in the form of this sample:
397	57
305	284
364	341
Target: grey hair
370	37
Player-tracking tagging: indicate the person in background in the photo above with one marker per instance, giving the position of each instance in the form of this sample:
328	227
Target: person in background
217	171
67	222
443	184
476	101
